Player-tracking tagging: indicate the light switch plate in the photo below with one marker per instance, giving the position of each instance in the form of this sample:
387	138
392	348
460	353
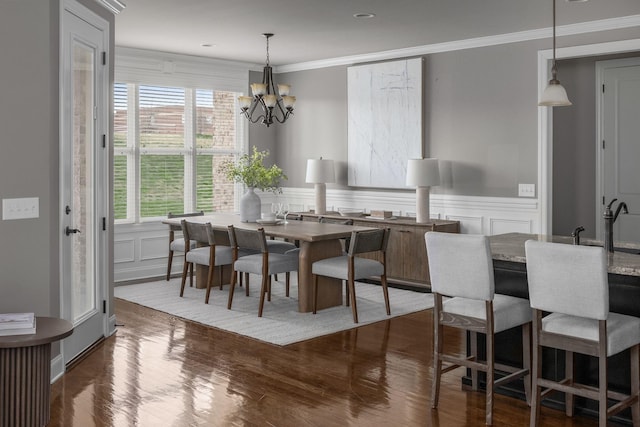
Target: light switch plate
526	190
27	207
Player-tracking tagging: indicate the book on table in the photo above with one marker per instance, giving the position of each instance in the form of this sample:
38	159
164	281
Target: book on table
17	323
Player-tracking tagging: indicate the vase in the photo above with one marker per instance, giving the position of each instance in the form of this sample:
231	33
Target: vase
250	206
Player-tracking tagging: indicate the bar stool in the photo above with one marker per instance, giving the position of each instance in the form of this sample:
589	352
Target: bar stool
461	267
571	283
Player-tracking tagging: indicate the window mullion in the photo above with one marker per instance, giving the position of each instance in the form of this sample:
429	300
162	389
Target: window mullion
189	152
133	142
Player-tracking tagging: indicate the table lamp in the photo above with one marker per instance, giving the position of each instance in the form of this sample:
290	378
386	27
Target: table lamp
319	172
422	174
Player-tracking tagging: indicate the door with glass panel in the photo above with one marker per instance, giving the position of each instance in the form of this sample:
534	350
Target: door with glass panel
84	182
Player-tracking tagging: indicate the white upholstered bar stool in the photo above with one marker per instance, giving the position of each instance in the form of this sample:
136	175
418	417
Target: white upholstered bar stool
571	283
461	268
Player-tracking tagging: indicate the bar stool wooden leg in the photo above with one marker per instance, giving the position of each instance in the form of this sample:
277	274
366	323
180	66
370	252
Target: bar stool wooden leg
437	350
635	384
473	350
536	364
526	360
569	375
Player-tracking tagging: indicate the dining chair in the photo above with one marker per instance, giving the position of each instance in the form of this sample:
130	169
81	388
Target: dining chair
178	244
206	252
461	268
264	263
347	240
570	284
350	267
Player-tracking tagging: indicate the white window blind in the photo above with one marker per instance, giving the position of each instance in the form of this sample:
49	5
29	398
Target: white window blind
169	143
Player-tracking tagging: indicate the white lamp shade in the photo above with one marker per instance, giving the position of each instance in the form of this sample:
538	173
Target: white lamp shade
554	96
423	172
320	171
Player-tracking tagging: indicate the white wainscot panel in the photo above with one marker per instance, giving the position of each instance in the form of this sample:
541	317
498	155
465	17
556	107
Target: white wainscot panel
468	224
153	248
501	226
123	251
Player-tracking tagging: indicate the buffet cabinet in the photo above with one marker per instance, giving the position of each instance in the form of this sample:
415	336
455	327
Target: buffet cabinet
407	261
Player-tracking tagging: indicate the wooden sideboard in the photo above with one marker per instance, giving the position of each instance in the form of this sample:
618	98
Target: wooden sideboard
407	261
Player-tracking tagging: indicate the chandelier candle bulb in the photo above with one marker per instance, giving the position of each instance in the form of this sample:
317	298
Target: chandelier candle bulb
270	100
284	89
289	101
245	101
258	89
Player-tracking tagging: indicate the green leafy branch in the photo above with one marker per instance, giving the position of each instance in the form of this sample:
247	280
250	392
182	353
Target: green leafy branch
251	171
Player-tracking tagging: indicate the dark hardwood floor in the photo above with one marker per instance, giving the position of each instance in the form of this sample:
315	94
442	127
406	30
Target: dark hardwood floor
158	370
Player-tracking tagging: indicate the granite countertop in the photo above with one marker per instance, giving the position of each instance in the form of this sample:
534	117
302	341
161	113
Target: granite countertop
510	247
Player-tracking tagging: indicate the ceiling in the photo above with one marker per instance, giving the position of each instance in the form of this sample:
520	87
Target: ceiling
312	30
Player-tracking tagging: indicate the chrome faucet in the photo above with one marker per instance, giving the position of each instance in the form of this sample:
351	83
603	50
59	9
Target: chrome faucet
609	219
576	235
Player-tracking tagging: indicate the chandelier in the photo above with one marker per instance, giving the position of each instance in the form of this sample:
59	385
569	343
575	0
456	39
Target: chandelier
274	104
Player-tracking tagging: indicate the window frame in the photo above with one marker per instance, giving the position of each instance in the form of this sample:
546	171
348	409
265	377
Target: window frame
147	67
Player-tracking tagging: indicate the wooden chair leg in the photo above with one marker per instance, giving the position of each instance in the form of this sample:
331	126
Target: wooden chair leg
354	307
191	276
246	279
263	290
209	283
385	291
602	388
269	288
315	293
473	341
287	283
185	269
569	375
234	274
437	350
536	369
635	384
346	291
169	265
526	360
490	350
220	273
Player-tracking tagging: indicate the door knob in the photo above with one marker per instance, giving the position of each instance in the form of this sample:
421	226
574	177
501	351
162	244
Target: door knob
68	230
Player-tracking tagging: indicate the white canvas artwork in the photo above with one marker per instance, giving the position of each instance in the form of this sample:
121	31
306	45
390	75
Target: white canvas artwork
385	122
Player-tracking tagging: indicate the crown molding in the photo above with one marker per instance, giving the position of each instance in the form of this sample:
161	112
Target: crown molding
115	6
521	36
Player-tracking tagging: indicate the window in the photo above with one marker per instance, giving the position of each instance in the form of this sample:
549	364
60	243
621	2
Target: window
168	146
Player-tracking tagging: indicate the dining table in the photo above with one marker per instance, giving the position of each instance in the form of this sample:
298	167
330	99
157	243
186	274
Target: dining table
317	241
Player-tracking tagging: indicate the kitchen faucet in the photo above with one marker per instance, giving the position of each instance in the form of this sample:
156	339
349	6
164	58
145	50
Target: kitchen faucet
576	235
609	219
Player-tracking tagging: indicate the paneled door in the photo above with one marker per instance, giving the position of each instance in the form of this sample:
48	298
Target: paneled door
84	180
619	173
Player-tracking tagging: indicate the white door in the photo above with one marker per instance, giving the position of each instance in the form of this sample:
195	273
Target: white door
83	183
619	145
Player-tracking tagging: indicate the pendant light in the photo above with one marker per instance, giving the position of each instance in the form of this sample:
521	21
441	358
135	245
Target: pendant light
554	95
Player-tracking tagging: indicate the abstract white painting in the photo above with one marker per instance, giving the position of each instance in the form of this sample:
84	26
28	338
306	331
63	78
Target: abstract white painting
385	122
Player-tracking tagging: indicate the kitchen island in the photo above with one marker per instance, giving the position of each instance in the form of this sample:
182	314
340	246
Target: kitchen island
510	273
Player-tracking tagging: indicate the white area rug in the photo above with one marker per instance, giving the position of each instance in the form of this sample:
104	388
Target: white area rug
281	323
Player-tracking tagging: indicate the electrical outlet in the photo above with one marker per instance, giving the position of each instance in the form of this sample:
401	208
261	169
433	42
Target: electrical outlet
526	190
27	207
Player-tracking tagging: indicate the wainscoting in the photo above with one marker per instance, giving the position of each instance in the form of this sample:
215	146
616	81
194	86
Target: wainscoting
140	250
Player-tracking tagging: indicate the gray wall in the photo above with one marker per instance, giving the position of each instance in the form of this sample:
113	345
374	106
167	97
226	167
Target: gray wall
481	114
29	153
29	259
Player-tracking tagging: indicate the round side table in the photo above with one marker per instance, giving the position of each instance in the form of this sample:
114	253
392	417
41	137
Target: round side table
25	373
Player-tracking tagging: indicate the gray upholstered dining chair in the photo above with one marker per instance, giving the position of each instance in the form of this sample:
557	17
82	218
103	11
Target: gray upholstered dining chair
177	244
350	267
570	284
347	240
264	262
461	267
206	252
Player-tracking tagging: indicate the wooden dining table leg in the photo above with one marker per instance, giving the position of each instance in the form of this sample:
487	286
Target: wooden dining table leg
329	289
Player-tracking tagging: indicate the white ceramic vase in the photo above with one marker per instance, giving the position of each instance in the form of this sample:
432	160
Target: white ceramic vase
250	206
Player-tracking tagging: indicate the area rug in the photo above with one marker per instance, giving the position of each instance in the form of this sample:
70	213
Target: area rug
281	323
